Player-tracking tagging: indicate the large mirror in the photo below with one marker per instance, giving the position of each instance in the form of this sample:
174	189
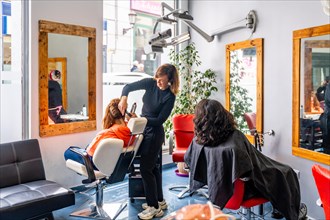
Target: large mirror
67	80
311	74
244	81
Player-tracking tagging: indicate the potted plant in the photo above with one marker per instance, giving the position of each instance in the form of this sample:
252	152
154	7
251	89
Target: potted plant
195	84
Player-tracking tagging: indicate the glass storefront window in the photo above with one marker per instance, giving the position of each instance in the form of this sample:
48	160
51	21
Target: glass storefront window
11	106
122	48
123	44
6	25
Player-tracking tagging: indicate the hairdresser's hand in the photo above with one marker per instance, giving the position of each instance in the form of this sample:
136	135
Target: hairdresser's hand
122	106
129	116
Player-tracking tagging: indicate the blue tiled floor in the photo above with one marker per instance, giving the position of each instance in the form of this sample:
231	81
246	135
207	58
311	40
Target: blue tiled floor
118	193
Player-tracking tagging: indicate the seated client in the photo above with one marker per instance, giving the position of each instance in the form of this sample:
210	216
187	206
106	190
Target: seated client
219	154
114	126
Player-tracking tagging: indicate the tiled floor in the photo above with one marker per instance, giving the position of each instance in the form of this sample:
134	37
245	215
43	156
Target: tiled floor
118	193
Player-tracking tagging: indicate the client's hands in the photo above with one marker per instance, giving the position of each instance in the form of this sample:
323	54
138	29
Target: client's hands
122	106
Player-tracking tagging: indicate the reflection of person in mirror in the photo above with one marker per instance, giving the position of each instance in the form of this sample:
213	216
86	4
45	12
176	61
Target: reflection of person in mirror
320	92
55	108
325	121
114	126
315	104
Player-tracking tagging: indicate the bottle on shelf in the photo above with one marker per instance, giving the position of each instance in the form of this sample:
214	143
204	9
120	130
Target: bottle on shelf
301	111
84	110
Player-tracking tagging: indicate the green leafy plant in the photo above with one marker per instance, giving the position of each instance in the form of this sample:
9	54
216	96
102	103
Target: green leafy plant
195	84
240	102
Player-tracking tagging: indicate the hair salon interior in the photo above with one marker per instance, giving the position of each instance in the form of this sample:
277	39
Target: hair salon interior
270	58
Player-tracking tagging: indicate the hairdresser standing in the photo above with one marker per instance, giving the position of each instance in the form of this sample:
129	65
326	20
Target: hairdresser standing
158	102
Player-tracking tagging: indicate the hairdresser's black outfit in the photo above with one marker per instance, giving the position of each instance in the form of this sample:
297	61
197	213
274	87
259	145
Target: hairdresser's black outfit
157	106
219	167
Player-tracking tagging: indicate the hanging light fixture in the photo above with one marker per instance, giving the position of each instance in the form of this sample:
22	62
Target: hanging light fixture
132	20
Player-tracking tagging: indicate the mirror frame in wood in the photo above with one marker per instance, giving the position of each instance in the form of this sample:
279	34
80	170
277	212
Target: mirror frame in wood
258	44
46	129
297	36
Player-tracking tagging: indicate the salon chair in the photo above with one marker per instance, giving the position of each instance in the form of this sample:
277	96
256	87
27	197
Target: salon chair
112	162
245	206
182	135
322	180
250	118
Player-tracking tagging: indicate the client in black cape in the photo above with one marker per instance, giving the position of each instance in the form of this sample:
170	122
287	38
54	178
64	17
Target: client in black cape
219	154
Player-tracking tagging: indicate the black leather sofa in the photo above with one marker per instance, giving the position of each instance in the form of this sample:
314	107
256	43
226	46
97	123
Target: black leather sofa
24	191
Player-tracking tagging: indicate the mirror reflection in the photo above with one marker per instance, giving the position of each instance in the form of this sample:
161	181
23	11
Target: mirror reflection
243	71
311	72
67	80
244	84
74	49
315	105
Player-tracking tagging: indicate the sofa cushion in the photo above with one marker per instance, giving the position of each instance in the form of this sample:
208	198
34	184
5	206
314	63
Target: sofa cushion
27	200
20	162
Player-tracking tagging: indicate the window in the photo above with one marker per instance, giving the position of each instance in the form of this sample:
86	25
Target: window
124	48
123	45
11	107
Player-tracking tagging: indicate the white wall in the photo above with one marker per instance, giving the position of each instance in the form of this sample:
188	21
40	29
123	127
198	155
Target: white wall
85	13
276	22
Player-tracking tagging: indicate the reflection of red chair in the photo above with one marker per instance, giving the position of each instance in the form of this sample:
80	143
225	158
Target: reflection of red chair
322	180
250	118
236	201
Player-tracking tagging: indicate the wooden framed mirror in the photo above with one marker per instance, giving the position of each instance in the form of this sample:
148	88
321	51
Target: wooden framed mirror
311	71
71	49
244	84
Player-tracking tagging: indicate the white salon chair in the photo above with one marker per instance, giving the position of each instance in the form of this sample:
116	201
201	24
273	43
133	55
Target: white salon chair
113	162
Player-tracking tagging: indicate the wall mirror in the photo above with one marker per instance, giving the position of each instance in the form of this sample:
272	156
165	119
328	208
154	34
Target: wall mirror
244	81
70	49
311	73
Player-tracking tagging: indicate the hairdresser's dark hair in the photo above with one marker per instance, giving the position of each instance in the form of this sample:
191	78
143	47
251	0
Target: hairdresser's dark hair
213	123
111	113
